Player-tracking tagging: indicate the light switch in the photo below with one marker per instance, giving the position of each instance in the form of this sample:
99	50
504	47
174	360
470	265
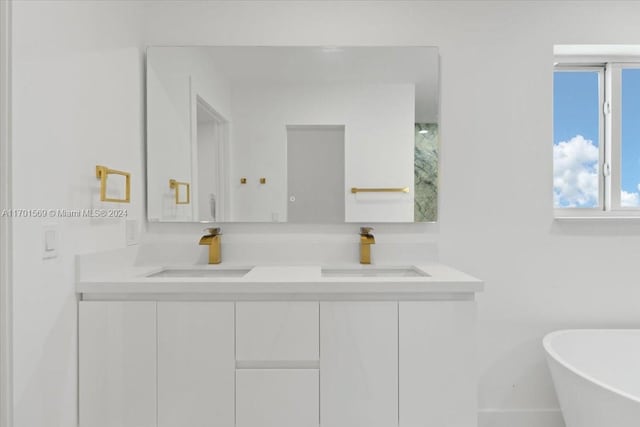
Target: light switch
50	243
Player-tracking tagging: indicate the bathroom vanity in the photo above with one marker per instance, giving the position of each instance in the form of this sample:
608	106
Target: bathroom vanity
277	346
233	136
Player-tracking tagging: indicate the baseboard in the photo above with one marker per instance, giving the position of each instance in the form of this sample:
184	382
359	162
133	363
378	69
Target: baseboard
520	418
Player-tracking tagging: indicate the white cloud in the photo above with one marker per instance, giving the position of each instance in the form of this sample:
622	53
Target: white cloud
629	200
575	173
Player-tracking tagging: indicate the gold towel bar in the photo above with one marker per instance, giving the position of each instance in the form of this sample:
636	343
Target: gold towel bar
102	172
175	185
380	190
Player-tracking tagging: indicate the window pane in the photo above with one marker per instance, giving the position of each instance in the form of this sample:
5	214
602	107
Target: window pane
576	130
630	138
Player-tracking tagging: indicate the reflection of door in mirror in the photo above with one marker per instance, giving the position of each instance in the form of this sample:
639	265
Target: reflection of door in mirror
208	148
315	174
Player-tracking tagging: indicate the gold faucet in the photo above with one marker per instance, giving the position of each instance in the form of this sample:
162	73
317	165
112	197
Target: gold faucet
366	240
212	239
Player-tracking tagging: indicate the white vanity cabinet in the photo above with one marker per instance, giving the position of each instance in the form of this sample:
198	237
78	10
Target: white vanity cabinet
164	364
117	366
322	363
196	364
277	360
437	376
359	364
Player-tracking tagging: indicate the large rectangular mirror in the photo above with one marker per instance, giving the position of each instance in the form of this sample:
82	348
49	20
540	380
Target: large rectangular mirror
292	134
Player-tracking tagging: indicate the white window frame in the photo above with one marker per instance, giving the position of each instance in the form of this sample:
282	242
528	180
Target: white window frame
610	139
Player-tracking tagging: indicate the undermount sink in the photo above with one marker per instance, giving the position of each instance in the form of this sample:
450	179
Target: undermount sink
365	271
202	272
328	272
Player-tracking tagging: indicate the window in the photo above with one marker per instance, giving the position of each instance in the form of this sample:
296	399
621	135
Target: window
596	145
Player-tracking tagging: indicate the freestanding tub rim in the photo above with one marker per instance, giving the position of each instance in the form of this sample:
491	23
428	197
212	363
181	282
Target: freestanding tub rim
546	342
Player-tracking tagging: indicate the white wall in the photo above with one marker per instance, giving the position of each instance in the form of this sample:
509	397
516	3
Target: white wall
175	77
379	145
6	299
496	172
77	102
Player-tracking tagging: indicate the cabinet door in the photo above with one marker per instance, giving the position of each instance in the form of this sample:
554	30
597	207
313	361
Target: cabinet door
437	364
359	364
277	398
196	364
117	366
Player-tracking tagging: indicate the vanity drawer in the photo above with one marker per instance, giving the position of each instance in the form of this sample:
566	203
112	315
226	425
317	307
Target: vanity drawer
277	398
277	331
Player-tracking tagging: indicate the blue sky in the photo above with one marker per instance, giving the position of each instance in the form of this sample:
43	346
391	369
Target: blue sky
576	117
575	109
630	129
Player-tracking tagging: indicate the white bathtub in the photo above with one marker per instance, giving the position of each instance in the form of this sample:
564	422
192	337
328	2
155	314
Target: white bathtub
596	373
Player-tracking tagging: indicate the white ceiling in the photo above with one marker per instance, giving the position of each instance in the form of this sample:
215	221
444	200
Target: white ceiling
300	65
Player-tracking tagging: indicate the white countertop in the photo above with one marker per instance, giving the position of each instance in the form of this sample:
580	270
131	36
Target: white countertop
275	282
